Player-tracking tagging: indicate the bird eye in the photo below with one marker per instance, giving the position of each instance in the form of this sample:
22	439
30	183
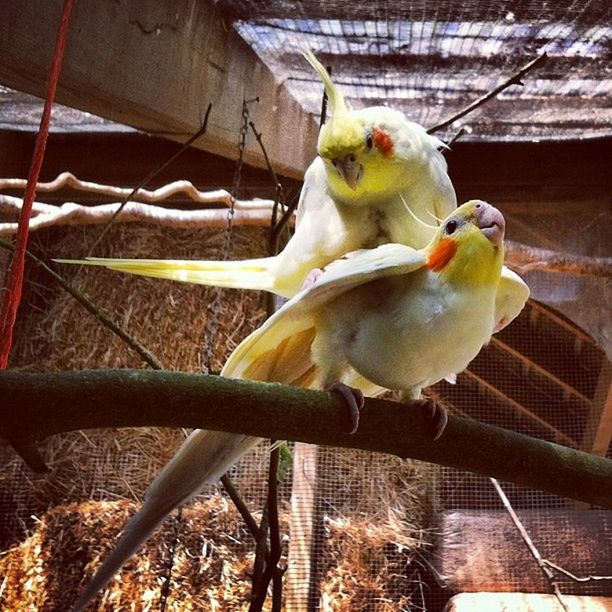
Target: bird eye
369	142
451	226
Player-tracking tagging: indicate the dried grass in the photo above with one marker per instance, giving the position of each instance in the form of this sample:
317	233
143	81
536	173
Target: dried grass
212	560
373	509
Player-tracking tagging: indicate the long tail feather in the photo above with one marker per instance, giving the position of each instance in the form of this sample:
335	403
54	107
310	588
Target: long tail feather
246	274
202	459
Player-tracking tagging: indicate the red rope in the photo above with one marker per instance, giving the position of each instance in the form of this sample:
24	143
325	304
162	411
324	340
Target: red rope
13	290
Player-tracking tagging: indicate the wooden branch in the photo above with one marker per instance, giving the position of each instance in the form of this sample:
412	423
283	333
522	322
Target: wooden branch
515	79
38	405
249	212
523	258
182	187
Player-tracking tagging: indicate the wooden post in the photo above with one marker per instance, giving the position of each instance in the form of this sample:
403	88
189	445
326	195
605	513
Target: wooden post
301	527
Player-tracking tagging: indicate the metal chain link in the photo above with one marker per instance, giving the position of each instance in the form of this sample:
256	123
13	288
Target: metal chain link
212	321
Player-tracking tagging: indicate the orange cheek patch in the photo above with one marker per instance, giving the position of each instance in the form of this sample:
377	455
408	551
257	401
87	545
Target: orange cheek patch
441	254
383	142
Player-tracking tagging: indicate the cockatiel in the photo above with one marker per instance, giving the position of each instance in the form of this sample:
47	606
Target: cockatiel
392	317
373	164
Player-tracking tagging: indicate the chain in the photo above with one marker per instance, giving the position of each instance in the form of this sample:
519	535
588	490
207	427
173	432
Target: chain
212	321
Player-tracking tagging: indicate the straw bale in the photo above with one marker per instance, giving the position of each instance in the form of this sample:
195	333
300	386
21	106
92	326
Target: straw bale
211	565
373	509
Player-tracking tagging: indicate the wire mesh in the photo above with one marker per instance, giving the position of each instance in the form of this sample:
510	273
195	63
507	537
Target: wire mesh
432	59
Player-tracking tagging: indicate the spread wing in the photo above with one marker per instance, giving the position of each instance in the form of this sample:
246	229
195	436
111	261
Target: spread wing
279	350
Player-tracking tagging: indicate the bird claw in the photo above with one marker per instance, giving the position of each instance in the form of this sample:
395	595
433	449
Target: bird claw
311	278
437	415
352	398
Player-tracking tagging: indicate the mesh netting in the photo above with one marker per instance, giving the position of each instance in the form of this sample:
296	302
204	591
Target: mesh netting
432	59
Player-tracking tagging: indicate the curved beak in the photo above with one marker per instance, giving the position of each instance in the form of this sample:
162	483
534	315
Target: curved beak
491	222
350	170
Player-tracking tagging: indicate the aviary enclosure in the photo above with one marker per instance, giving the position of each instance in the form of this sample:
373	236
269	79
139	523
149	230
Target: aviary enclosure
481	519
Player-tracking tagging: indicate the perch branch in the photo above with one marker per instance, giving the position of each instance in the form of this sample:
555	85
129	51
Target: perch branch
175	188
147	179
515	79
38	405
247	212
524	258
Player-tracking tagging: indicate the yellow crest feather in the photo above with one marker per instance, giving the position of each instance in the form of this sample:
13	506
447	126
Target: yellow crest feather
342	134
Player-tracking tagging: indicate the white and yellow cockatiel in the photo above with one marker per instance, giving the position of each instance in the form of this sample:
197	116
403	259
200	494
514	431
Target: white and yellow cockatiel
392	317
373	164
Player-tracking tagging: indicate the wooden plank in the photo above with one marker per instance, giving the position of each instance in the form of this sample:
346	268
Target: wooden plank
156	66
483	551
599	427
301	528
525	602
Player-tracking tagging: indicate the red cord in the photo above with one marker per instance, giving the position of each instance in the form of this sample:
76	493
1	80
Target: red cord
13	290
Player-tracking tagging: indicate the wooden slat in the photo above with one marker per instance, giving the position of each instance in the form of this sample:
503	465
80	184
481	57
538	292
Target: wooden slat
301	525
526	602
156	66
599	428
532	365
481	550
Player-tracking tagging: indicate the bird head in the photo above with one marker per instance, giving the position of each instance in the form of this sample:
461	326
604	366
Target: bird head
369	153
468	246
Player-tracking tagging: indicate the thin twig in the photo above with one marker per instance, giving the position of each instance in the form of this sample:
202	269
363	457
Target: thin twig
98	312
573	576
515	79
151	175
258	591
532	547
231	490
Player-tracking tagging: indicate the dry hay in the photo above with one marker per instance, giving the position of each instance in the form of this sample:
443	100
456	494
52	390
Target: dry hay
367	568
373	510
211	569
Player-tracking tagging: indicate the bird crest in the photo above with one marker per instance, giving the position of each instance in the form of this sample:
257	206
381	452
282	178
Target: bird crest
342	134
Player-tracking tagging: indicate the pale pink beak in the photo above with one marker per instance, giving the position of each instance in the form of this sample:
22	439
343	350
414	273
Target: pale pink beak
491	222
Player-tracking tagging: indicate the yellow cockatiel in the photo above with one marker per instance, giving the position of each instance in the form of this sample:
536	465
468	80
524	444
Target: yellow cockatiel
372	165
392	317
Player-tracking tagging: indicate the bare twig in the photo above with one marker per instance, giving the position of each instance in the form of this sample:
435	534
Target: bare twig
228	485
554	585
515	79
151	175
524	258
573	576
100	314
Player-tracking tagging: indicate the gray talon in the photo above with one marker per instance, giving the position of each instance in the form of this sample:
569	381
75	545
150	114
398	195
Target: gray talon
353	399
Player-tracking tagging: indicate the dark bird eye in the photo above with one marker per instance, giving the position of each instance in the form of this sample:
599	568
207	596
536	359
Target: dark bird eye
451	226
369	142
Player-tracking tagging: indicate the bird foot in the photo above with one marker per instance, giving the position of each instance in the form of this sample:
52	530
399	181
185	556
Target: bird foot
311	278
438	416
353	399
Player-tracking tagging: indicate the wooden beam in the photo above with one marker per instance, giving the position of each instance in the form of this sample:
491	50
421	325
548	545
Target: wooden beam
599	426
156	66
